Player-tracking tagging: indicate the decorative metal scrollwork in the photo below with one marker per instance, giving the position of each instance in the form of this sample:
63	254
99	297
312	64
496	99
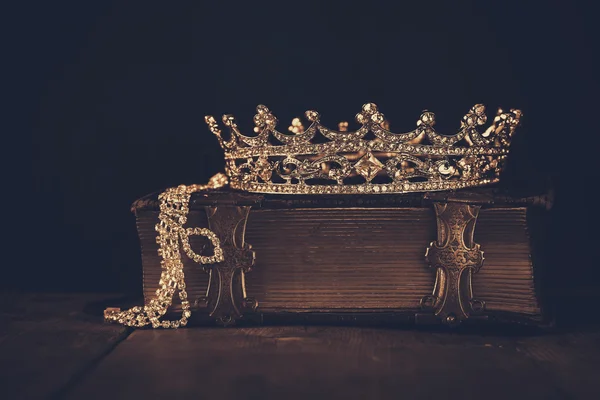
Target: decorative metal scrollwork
226	297
455	256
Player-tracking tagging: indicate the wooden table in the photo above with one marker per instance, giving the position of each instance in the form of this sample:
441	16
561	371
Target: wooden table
55	346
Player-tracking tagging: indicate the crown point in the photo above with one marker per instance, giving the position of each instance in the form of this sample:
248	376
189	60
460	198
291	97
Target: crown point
378	118
212	125
476	116
478	109
229	120
264	117
370	108
515	117
262	109
427	118
312	116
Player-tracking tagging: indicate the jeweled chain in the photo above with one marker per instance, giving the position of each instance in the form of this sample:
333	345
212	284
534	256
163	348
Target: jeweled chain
174	208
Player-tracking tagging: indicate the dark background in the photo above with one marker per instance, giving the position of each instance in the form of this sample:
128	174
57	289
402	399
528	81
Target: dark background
115	94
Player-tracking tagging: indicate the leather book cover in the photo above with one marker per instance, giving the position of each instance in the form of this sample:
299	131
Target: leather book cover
351	258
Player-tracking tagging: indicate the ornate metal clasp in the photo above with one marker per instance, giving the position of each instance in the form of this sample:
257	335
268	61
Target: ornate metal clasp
226	296
455	257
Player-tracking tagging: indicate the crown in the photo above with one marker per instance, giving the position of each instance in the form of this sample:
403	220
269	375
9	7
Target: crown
371	159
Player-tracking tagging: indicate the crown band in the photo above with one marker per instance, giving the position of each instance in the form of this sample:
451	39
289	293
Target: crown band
371	159
408	187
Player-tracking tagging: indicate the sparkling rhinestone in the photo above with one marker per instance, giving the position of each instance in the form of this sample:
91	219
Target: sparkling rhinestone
370	107
368	166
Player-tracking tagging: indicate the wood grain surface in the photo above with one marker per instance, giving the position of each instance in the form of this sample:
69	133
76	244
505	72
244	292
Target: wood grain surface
56	346
339	362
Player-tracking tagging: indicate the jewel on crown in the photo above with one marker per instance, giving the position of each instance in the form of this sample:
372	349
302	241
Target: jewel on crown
370	159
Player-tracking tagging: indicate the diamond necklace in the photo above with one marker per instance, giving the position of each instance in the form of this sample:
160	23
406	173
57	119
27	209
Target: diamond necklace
174	208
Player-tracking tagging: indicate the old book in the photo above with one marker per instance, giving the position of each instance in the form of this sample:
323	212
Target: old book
352	258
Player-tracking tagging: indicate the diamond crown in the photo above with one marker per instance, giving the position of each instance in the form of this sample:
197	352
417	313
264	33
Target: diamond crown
371	159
